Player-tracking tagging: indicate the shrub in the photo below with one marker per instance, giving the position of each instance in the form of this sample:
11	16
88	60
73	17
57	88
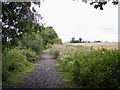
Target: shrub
31	55
55	53
13	62
99	68
48	46
33	42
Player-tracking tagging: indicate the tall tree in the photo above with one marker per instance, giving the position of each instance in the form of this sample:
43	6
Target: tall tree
17	18
49	35
73	40
80	39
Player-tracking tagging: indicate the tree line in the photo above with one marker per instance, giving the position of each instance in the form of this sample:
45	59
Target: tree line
81	41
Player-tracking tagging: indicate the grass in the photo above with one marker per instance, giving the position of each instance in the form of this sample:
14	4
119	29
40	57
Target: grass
68	49
65	51
16	63
108	45
17	77
88	66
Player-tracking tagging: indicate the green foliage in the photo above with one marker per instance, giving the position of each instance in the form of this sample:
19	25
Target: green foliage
31	56
20	30
29	49
57	41
100	3
55	53
15	16
94	69
48	46
14	62
32	41
49	36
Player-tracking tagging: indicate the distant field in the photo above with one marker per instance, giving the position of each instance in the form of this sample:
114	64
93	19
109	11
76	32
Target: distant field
96	45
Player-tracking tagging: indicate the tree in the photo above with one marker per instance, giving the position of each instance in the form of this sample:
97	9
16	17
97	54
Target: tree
49	35
17	18
32	41
57	41
80	39
99	3
73	40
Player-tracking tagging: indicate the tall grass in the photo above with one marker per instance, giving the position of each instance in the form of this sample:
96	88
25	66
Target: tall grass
15	63
97	68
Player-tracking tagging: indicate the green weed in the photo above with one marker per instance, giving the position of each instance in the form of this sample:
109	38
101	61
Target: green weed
55	53
92	69
31	55
14	63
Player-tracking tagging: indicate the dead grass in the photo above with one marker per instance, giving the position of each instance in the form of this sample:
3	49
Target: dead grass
109	45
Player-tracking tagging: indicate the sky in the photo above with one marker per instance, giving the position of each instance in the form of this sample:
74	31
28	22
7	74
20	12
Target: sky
80	20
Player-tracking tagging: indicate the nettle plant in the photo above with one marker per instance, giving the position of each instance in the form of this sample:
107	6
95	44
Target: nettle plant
100	3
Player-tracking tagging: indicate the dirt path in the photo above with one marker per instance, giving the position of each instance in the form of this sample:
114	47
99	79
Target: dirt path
45	75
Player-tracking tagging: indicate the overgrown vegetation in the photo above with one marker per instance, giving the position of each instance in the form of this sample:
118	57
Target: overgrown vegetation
23	40
14	63
97	68
31	55
24	55
55	54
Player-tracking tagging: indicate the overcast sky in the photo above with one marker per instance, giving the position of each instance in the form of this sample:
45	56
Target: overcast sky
80	20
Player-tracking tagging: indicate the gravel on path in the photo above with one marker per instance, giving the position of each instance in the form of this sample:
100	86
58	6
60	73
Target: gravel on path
45	75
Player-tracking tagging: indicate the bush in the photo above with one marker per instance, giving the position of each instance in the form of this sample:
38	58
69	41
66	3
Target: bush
48	46
31	55
33	42
14	62
99	68
55	53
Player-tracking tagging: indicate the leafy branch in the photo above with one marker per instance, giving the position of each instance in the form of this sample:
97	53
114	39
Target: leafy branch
100	3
